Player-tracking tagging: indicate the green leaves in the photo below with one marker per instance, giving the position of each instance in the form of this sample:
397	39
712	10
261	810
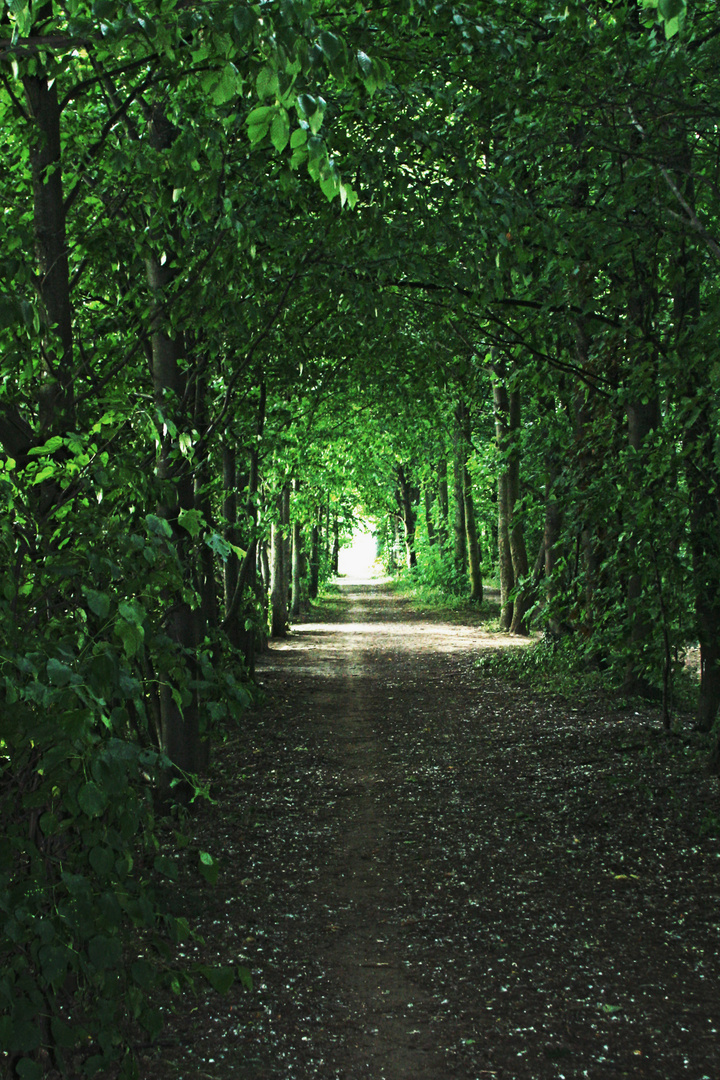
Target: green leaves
209	867
222	86
158	526
280	130
671	13
311	111
98	602
258	122
267	84
192	521
222	978
59	674
129	626
92	800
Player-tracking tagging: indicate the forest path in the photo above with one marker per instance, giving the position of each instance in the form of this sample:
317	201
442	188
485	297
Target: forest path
436	876
362	674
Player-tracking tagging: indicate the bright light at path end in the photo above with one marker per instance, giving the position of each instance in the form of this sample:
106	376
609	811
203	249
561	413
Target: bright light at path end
358	560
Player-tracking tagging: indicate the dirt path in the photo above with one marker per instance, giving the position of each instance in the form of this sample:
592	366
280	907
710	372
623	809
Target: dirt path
434	876
357	676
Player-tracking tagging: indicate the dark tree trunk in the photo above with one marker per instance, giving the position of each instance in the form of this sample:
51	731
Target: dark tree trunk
56	399
471	532
265	567
459	525
297	561
511	539
314	560
443	499
204	555
336	547
643	418
518	551
180	723
279	568
552	550
428	503
700	445
231	567
586	413
409	495
507	579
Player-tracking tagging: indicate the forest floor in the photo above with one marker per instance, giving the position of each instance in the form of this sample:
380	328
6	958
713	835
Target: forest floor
433	875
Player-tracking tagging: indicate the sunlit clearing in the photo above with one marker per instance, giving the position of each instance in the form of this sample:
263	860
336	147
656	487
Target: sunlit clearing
359	560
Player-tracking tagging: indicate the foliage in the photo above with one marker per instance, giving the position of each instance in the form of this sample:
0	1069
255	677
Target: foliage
563	665
247	250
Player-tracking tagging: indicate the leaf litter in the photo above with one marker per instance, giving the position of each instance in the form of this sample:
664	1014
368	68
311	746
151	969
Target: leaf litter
431	873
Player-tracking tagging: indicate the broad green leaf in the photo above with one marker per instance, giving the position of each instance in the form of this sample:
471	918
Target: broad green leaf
298	138
132	611
227	88
104	952
260	115
280	130
98	602
670	9
192	521
364	63
142	973
266	83
49	824
50	447
166	866
45	474
27	1069
257	132
209	867
132	636
102	860
220	978
54	962
244	19
65	1035
92	800
59	674
158	526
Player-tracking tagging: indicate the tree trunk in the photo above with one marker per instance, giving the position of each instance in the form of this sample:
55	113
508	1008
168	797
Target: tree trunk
471	532
265	567
314	560
443	500
231	566
643	418
180	722
511	538
278	568
408	496
507	579
204	555
518	552
56	399
251	638
700	446
459	525
551	544
428	503
336	547
297	562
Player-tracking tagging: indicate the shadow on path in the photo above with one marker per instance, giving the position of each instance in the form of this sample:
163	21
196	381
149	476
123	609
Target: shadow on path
435	876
